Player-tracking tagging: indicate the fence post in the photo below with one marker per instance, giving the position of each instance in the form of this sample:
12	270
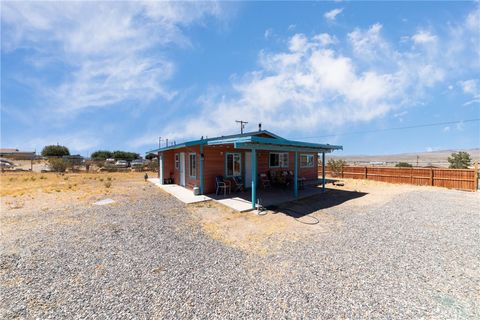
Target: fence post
411	175
431	176
366	173
475	175
342	172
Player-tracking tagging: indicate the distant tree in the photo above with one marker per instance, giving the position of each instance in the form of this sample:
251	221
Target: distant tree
150	156
403	165
101	155
336	166
460	160
124	155
55	151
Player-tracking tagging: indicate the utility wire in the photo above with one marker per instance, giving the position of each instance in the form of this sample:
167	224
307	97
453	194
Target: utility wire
395	128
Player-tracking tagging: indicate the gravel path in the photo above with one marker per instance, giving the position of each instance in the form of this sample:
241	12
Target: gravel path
417	256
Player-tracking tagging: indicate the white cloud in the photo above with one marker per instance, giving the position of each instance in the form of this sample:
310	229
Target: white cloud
470	87
446	129
332	14
423	37
315	84
112	53
268	33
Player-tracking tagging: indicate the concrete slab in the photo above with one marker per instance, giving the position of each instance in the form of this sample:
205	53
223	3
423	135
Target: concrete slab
183	194
274	196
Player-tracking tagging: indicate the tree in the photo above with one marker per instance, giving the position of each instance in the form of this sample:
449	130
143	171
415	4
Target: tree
124	155
101	155
150	156
55	151
403	165
336	166
460	160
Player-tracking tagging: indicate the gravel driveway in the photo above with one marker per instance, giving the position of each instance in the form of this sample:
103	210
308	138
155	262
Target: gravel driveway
416	256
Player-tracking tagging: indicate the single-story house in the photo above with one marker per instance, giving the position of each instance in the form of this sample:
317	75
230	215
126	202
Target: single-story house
17	154
197	163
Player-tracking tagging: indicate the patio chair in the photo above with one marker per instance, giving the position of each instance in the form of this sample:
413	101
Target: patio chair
222	185
238	184
265	181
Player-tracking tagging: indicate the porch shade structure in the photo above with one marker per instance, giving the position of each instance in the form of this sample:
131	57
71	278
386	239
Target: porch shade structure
255	143
262	140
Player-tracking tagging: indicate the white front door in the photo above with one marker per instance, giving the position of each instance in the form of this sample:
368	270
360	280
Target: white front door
248	169
182	169
160	168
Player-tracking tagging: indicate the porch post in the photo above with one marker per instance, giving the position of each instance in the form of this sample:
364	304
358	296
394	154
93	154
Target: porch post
201	168
160	167
295	175
323	171
254	177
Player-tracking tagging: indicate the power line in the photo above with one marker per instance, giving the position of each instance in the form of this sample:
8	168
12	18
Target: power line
395	128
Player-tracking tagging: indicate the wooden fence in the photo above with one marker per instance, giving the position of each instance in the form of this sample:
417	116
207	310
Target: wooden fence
462	179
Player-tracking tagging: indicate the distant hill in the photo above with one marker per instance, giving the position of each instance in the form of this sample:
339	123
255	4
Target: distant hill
433	158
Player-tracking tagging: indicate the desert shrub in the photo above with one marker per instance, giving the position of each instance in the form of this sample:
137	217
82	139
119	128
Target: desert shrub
460	160
336	166
403	165
153	166
109	178
108	184
33	178
55	151
101	179
43	178
57	164
65	178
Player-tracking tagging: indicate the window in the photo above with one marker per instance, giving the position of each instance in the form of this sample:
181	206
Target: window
278	160
233	165
177	161
306	161
192	165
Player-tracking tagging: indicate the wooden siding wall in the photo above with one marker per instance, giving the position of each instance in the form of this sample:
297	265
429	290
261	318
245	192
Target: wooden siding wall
462	179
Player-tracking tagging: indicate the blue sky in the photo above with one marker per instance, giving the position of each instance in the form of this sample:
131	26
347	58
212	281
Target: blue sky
117	75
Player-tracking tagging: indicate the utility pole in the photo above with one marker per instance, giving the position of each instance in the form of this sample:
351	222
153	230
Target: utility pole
417	159
242	125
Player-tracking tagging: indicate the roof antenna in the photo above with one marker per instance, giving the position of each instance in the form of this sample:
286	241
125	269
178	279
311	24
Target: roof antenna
259	126
166	142
242	125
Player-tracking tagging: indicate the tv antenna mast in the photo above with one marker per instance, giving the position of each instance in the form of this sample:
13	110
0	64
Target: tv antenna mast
242	125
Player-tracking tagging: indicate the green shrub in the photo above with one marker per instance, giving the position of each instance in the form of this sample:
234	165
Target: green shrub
102	155
108	184
403	165
460	160
57	165
336	166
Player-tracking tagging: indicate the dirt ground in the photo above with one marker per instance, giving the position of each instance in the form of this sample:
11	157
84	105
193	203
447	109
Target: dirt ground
294	221
250	232
29	191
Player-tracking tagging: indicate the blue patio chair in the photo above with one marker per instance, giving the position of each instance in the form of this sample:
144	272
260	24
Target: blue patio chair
222	185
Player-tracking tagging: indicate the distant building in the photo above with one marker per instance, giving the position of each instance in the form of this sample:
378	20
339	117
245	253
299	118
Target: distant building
17	154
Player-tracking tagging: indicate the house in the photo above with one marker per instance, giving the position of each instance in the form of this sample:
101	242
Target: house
17	154
246	155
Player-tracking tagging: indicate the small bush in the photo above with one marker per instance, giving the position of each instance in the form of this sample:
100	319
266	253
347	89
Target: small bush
403	165
336	166
65	178
109	178
33	178
57	164
43	178
108	184
101	179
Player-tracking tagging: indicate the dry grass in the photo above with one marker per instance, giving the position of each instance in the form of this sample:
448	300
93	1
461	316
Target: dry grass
45	191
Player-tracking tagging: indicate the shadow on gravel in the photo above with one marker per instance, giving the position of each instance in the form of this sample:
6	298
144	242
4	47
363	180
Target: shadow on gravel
306	206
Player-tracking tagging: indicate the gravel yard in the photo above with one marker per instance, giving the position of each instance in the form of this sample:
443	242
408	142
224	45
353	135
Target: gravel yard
414	255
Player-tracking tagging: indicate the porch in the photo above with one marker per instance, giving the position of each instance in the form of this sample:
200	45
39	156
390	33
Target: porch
242	201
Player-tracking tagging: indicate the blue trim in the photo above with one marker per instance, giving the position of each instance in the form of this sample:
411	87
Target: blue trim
323	171
201	169
278	148
251	137
254	178
295	175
